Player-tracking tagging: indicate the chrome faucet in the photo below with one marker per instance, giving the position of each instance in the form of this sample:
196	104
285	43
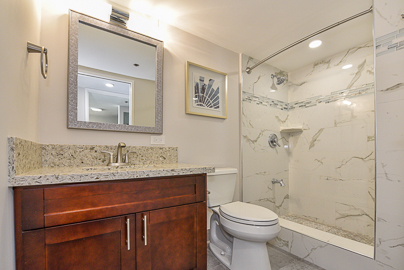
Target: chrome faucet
120	159
119	153
276	181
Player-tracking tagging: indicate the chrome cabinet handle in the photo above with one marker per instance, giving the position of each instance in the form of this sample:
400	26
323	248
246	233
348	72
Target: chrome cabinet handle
128	233
145	230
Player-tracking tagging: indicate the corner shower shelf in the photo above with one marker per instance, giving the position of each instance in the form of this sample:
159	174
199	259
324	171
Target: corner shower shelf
291	129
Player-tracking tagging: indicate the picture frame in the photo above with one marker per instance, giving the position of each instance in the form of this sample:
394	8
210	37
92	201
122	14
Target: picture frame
206	91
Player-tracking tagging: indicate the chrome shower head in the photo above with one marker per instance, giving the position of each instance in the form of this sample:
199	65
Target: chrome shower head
279	80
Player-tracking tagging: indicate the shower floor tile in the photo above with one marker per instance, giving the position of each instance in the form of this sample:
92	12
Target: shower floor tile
336	231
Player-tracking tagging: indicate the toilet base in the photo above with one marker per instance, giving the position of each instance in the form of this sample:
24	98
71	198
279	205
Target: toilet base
249	255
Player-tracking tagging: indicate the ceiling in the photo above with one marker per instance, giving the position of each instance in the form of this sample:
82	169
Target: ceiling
259	28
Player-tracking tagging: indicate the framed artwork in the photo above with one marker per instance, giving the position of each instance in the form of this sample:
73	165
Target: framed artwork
206	91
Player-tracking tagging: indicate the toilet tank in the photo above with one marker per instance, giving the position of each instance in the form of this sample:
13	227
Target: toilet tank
221	185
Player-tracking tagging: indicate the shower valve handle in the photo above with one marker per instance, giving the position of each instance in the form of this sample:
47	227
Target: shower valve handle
273	141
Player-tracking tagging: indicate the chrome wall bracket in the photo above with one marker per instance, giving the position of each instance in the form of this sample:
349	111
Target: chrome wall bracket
32	48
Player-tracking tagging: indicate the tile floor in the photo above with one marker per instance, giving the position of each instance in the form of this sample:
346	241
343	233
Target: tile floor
280	260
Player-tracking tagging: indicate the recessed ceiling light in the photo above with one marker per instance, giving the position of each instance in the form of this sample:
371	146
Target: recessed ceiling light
315	43
347	66
96	109
347	102
109	85
272	90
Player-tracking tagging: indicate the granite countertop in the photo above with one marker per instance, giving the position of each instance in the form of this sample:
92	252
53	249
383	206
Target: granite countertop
64	175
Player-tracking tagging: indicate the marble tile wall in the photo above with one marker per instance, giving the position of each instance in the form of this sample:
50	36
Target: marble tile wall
389	75
330	166
390	139
327	75
261	163
389	244
332	162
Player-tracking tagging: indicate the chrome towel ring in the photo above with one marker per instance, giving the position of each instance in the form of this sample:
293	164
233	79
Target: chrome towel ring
32	48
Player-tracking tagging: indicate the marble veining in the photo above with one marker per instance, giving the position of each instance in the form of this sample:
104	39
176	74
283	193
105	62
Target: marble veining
338	95
328	168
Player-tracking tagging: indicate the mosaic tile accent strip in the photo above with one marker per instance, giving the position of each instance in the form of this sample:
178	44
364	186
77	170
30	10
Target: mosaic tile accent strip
310	102
334	96
260	100
334	230
391	42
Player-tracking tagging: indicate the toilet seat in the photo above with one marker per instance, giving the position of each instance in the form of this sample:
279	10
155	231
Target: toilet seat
248	214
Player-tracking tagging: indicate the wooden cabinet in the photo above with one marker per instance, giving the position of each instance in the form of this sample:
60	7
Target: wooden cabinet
154	223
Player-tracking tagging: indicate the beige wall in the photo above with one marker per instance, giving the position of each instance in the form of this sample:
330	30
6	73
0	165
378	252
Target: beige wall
144	100
200	140
19	75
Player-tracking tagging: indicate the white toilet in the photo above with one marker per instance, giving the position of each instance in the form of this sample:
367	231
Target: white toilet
238	231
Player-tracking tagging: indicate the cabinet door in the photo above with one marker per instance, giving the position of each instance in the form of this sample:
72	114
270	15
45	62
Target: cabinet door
96	245
172	238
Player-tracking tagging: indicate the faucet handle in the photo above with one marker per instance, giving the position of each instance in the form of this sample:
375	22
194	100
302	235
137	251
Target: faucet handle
110	156
127	156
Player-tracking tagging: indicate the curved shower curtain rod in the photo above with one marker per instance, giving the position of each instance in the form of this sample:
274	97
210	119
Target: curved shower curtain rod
249	69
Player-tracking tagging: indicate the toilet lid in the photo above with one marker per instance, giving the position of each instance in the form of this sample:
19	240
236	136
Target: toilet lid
247	213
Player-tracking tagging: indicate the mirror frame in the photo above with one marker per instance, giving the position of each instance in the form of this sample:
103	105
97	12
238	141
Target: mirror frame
75	19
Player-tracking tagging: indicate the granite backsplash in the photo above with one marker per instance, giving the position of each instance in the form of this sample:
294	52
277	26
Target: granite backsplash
24	155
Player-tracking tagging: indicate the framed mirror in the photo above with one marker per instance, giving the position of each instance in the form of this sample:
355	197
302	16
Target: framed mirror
115	78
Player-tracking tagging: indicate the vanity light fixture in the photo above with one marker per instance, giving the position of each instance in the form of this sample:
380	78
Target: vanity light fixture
347	66
109	85
96	109
119	17
315	43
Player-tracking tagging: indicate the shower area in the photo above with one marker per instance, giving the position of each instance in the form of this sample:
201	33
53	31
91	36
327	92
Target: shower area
323	117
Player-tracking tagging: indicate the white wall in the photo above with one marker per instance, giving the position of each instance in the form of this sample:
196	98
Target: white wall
200	140
19	75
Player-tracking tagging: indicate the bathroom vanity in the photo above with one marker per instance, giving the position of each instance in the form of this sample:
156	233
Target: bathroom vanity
145	216
152	223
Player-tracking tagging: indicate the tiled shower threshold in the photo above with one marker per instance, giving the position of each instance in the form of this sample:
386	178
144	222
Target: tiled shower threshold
342	242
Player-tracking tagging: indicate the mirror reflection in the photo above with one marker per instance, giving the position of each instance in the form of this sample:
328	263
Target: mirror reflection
116	78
